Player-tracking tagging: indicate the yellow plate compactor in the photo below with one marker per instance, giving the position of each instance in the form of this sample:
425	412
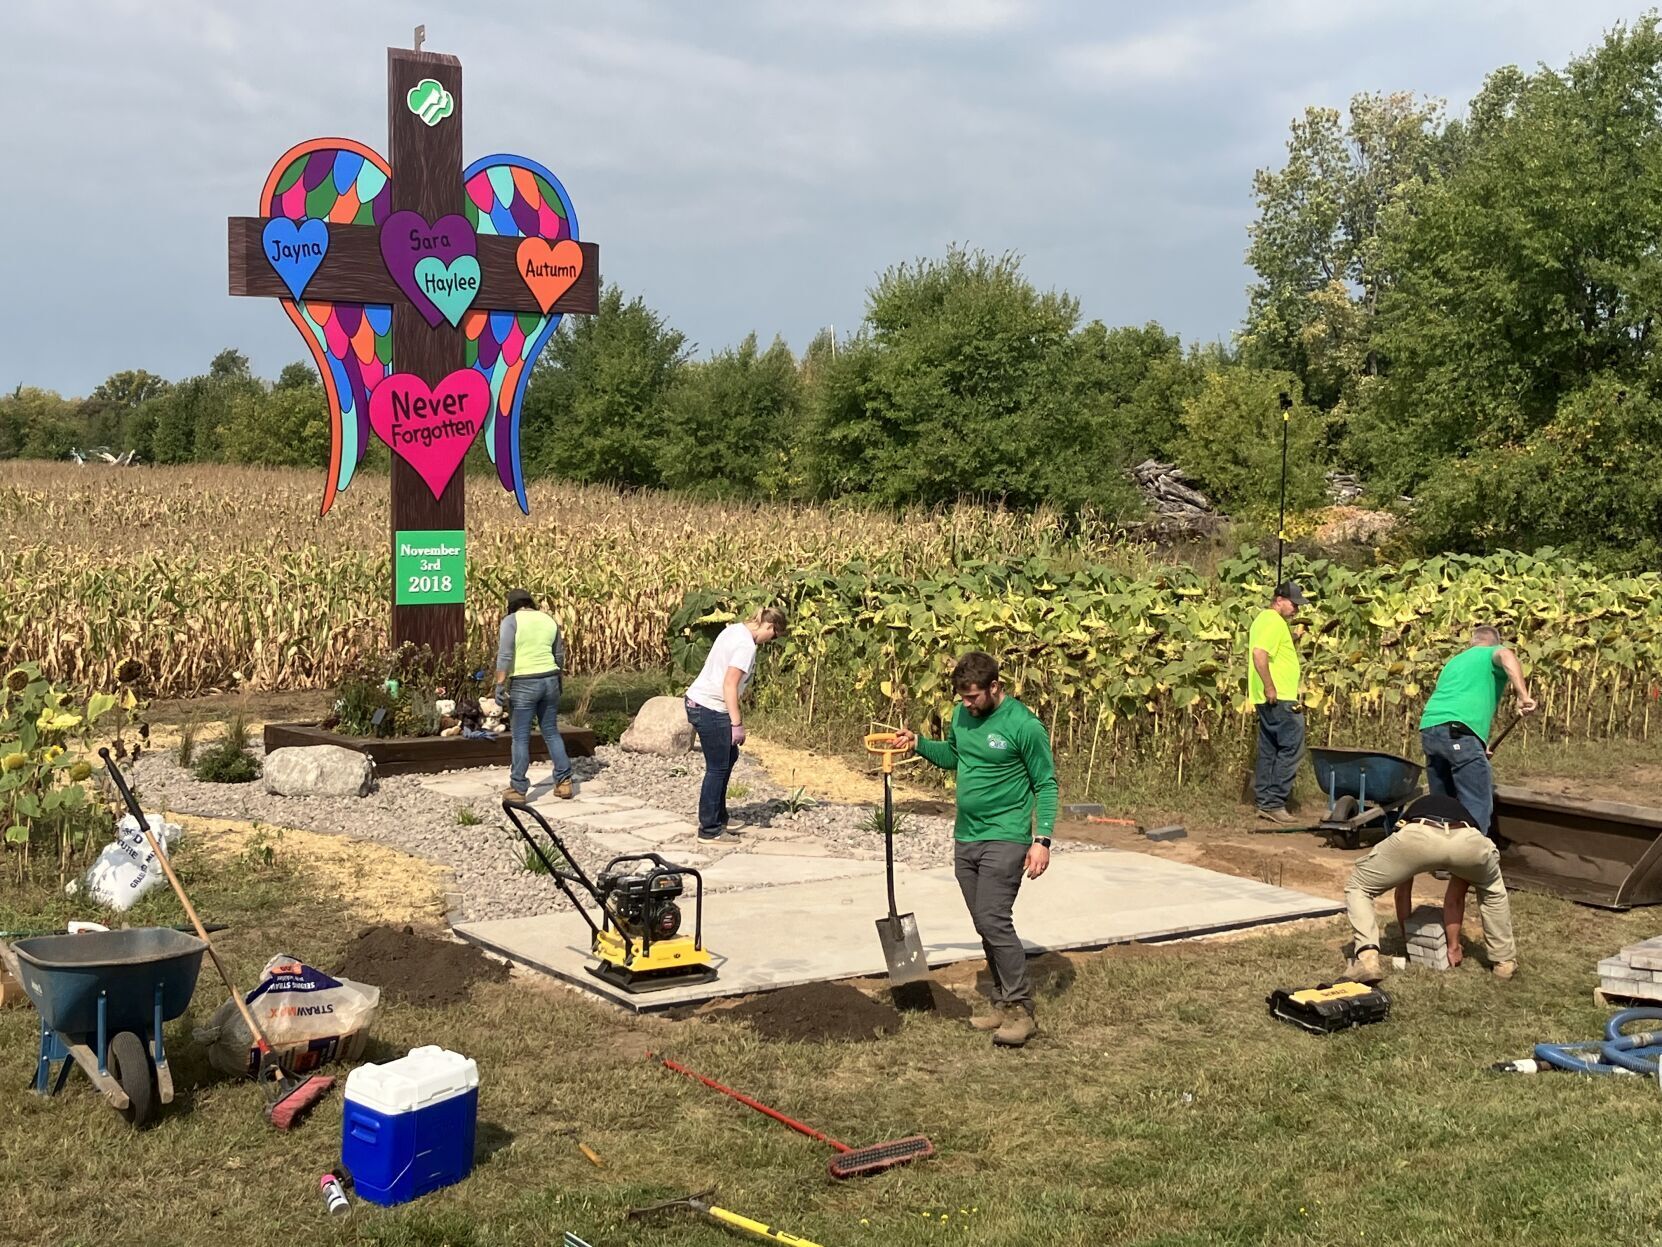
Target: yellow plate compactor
638	943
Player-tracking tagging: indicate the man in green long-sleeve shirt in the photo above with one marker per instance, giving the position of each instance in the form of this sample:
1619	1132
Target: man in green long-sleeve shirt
1006	776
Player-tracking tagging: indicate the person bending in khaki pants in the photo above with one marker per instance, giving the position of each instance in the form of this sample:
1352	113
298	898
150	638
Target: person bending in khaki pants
1436	833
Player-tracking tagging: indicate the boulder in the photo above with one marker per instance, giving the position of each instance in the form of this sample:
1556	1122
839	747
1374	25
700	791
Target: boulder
660	727
318	771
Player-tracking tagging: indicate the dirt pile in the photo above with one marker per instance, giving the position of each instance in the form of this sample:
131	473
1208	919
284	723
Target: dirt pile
816	1011
417	969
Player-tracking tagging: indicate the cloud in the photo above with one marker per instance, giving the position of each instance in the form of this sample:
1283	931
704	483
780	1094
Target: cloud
935	17
1174	54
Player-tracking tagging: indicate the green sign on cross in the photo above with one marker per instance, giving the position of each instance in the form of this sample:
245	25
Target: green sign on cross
429	567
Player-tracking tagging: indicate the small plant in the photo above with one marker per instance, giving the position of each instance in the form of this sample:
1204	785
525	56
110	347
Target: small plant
260	851
609	726
874	822
186	752
228	761
465	817
738	792
799	800
532	863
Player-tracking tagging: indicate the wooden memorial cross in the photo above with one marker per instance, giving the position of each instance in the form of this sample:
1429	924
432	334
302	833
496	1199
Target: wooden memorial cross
407	284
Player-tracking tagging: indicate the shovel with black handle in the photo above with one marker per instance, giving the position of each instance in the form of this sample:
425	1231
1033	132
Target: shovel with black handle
897	932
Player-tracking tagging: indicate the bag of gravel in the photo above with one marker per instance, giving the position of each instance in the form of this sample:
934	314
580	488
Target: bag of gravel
309	1017
127	869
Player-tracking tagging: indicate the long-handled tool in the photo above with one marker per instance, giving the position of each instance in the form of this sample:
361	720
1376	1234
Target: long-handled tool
850	1162
290	1095
698	1201
1502	735
897	932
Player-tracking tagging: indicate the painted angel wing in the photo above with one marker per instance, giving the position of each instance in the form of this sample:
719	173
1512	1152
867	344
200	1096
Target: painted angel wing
342	181
516	198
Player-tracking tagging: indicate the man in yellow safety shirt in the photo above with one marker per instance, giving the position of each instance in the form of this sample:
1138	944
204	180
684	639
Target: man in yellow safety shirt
1272	683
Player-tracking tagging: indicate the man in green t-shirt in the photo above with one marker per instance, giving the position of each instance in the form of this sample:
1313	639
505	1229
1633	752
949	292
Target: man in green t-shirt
1006	778
1454	732
1272	684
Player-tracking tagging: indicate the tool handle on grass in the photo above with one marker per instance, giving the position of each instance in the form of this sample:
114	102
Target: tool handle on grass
738	1221
755	1104
137	812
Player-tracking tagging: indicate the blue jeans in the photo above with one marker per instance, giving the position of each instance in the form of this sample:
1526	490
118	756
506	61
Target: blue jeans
1457	766
1280	746
537	698
715	736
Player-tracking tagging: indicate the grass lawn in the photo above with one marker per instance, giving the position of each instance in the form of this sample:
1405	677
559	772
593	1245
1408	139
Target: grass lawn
1160	1105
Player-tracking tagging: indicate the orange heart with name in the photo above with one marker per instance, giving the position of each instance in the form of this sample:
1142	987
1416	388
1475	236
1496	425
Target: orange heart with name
549	269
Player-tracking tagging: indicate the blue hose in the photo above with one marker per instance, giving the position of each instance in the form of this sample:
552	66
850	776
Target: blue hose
1617	1053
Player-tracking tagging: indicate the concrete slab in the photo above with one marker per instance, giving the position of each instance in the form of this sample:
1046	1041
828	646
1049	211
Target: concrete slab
794	847
616	842
750	869
623	820
464	787
671	829
771	937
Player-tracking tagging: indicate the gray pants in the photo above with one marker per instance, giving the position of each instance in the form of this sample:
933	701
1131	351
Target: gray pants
1280	746
989	874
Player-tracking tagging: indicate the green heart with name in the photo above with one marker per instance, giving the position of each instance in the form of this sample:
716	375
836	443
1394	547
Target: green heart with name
452	287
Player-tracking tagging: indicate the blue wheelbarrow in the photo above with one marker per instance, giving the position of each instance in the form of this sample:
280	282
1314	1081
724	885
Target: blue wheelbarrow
102	997
1364	790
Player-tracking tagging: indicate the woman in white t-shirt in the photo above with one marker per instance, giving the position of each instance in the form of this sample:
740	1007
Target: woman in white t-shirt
713	710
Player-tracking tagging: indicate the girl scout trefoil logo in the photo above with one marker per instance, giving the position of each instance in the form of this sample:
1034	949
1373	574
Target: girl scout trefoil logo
430	101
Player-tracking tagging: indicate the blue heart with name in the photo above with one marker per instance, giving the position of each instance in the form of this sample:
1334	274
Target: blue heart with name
295	249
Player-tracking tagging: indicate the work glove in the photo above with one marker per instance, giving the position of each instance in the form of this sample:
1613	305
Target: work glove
500	692
738	733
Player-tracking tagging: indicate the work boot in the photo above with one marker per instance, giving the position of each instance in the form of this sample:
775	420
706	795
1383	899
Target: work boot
1506	970
1277	815
563	789
994	1020
514	795
1365	967
1019	1026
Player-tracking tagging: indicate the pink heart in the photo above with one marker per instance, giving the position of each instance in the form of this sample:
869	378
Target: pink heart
431	429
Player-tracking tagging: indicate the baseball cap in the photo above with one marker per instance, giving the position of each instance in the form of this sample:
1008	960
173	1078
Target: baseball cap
1289	589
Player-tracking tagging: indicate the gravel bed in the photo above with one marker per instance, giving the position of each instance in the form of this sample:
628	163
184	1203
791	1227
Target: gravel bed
486	859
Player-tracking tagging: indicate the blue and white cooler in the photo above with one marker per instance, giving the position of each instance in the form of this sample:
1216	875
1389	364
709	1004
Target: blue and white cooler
408	1125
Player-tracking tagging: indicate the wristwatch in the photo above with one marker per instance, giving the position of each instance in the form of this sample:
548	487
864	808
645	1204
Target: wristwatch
1042	841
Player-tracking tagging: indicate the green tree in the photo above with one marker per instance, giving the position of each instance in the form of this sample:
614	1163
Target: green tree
1586	482
297	376
289	427
729	423
965	380
38	424
1532	270
1232	442
1316	243
593	408
109	410
1146	378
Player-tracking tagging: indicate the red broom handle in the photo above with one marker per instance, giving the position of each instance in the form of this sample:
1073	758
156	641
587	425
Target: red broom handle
755	1104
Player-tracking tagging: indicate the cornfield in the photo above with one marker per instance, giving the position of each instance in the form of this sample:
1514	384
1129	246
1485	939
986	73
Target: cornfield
212	576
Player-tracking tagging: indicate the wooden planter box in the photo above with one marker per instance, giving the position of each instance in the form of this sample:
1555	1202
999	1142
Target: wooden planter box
407	755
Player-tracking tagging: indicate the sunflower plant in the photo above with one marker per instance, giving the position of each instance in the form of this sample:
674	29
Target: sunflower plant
46	737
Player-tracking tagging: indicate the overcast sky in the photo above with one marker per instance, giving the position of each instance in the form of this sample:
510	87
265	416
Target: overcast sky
744	165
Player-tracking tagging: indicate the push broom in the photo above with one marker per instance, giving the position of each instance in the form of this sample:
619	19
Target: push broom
290	1094
850	1162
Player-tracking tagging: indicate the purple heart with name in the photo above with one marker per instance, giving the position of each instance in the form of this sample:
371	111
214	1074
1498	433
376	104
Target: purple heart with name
407	239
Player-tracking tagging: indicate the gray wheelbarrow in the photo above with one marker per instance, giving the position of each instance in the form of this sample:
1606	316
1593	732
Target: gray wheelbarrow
102	997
